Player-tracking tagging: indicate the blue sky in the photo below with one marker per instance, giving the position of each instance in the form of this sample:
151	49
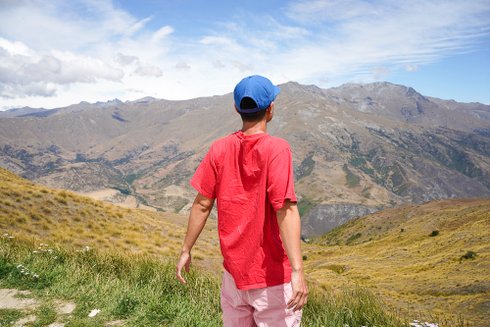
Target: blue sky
64	52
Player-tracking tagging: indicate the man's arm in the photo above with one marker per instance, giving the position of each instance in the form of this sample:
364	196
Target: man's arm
200	210
290	228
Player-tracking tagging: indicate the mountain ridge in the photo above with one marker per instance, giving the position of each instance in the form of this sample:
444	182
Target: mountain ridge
376	145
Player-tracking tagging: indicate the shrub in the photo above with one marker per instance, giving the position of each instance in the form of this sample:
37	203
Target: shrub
61	200
352	238
434	233
468	255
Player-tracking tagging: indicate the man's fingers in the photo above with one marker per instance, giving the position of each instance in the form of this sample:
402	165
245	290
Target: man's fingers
179	275
298	300
293	302
184	262
181	279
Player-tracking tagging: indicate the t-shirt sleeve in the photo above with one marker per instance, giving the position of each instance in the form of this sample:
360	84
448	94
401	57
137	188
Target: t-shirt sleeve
280	179
204	179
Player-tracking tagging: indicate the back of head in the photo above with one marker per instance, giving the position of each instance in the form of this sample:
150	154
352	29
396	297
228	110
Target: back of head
253	95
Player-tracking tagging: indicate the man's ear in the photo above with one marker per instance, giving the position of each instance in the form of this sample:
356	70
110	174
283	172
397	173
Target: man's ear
270	112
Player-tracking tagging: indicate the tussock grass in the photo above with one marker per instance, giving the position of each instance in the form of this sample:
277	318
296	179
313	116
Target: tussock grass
389	254
34	212
419	259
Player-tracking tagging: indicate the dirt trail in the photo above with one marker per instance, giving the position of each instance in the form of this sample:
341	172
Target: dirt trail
22	300
15	299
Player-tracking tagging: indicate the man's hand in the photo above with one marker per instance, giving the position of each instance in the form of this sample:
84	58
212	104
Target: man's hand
300	291
184	262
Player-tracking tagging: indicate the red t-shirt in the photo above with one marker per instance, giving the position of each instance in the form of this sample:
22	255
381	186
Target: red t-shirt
251	176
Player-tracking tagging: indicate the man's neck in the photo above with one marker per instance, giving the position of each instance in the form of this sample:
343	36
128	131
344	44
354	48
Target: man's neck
250	128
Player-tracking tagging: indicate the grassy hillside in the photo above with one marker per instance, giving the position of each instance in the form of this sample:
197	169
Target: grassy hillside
31	211
433	257
427	262
67	249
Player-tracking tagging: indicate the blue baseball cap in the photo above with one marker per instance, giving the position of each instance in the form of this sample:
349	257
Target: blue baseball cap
259	89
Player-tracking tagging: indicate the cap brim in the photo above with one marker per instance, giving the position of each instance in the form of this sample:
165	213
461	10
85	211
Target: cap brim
277	90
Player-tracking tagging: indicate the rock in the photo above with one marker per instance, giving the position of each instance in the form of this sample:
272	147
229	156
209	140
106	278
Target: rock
24	321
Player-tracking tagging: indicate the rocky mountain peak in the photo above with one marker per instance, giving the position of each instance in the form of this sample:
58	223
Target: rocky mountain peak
295	88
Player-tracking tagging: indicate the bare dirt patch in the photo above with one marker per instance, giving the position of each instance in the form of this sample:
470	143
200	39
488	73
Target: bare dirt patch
9	299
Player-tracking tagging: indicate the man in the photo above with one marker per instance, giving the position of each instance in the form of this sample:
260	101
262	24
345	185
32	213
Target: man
250	173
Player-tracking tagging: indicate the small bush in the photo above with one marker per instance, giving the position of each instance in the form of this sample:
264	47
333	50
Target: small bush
61	200
36	216
434	233
352	238
468	255
305	258
339	269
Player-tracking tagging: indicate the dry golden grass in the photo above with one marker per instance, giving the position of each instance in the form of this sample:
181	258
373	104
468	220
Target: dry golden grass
393	253
390	252
30	211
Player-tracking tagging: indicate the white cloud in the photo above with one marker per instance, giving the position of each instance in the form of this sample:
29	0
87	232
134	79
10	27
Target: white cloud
24	72
149	71
221	41
162	33
125	60
69	51
355	35
182	65
411	68
307	11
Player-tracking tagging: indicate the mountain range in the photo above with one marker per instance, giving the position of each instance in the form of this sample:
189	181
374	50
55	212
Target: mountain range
357	148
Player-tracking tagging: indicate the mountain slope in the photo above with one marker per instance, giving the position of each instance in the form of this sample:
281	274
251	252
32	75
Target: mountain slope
430	257
429	262
358	147
33	212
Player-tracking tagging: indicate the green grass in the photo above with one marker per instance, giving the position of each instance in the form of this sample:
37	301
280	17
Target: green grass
143	291
140	289
46	315
9	316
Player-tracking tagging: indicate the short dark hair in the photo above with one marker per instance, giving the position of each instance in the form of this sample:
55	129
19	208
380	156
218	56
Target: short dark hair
249	103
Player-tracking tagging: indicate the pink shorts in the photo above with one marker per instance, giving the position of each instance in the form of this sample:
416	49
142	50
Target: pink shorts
257	307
